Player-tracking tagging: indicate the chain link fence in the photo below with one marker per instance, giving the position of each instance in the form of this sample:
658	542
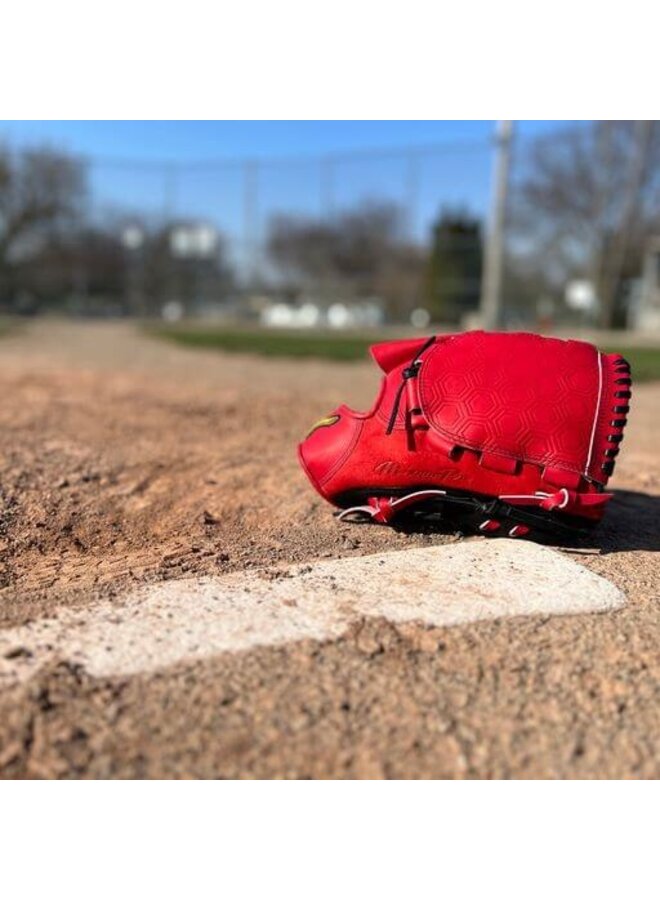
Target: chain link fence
356	228
364	237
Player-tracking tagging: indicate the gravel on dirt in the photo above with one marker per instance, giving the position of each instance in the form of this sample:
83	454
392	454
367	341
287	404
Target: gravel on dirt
127	462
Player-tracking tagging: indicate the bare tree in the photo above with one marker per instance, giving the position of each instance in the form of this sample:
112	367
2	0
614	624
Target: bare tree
41	193
586	202
302	249
359	253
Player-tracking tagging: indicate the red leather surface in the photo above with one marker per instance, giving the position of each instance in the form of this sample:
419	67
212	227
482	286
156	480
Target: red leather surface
517	395
390	354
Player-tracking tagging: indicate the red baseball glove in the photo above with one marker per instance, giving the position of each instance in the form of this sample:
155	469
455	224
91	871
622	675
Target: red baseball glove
509	434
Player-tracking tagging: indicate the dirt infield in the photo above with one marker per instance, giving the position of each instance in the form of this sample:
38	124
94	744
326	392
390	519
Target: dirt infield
125	461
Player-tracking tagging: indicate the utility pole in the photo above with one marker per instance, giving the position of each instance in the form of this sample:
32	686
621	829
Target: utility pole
491	286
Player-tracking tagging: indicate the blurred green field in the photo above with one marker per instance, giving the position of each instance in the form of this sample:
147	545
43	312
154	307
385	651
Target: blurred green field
645	361
293	344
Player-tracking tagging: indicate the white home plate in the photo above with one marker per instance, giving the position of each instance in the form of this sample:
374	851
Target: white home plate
159	625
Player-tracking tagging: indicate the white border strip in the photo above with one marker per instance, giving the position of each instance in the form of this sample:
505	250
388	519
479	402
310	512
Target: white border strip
593	427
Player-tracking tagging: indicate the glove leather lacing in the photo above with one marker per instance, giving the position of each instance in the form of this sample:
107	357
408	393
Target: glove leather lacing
410	371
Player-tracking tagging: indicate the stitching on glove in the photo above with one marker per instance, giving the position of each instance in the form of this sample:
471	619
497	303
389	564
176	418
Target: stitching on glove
596	412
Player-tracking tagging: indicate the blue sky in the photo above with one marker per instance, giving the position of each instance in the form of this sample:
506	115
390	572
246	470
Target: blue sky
189	141
291	175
